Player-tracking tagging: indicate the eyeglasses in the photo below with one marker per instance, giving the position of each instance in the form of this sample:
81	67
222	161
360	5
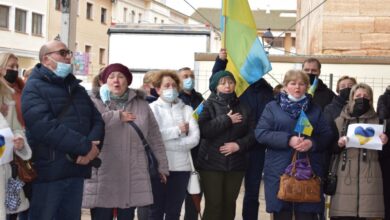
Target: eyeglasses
63	52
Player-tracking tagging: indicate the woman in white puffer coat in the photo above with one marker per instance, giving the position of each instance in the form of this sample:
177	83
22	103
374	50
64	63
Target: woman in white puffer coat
22	149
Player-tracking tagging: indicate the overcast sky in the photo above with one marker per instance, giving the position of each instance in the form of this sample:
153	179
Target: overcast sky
183	7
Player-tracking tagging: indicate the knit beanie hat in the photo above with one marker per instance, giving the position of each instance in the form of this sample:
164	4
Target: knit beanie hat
116	67
214	79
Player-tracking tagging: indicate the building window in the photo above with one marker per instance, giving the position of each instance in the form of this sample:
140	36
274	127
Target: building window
4	16
103	15
162	21
124	15
102	53
88	49
58	5
139	17
20	20
89	10
132	16
36	27
155	20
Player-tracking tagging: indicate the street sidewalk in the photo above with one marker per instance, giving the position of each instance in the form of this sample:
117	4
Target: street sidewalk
262	214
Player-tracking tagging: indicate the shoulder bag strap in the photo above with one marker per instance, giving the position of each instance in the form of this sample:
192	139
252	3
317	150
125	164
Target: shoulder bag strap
139	132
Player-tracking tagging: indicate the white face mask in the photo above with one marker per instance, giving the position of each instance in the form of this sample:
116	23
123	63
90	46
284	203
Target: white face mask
292	98
169	95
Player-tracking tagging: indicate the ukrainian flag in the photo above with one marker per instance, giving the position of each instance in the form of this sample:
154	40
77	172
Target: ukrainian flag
303	125
313	87
247	59
197	111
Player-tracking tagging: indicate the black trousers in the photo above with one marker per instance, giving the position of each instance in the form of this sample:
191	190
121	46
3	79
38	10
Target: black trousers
288	215
385	165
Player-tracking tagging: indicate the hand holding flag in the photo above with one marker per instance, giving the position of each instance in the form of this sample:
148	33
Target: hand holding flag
303	125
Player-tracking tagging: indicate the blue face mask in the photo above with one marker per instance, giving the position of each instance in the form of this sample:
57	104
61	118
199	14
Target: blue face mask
292	98
63	69
169	95
188	84
104	93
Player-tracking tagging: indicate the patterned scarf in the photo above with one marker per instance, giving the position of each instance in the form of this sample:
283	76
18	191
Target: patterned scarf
120	101
293	108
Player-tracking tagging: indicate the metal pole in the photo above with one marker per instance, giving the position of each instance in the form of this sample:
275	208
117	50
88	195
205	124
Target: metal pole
68	23
331	81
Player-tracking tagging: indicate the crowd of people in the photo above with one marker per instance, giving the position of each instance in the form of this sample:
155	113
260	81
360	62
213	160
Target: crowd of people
93	150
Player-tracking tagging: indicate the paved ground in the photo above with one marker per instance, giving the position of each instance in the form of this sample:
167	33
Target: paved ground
262	214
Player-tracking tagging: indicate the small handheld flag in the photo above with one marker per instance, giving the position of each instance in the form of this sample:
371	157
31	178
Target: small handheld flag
197	111
303	125
313	87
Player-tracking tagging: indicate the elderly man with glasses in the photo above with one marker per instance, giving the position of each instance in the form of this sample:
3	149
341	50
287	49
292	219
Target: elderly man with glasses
61	120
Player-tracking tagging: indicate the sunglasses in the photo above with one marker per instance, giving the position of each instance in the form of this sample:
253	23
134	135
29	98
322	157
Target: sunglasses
64	52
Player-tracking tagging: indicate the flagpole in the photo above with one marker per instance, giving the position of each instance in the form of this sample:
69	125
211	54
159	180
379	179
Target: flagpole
224	23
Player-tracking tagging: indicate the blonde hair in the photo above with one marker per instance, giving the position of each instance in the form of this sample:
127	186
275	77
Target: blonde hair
344	78
292	75
149	76
5	89
364	86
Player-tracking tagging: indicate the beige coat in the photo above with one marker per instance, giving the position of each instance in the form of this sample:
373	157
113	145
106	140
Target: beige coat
123	180
359	186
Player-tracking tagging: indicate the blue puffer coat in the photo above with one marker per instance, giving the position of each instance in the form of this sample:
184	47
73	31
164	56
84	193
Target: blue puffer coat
50	138
275	129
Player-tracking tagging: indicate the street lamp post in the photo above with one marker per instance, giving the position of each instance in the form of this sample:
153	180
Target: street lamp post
268	40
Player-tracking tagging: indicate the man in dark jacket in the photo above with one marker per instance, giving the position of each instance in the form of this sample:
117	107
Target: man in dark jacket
256	96
383	111
64	130
323	95
192	98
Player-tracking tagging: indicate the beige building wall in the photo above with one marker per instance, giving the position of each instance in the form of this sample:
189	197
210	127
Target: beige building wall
347	27
26	44
146	11
91	34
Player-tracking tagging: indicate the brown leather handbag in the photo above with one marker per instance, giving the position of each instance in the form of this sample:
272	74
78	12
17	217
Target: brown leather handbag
293	190
25	171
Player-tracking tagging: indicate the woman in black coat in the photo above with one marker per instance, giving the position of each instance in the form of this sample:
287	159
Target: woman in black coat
226	127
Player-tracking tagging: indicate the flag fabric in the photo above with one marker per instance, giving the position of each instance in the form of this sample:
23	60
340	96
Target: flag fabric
303	125
6	145
197	111
313	87
247	59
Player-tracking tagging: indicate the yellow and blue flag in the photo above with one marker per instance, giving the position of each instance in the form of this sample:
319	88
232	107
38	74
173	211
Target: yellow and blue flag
303	125
247	59
313	87
197	111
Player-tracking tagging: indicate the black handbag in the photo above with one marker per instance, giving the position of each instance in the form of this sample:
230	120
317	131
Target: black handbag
330	180
152	160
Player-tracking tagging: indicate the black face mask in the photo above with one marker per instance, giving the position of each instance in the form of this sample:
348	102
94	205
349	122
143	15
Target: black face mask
344	93
153	92
311	77
11	76
227	96
362	105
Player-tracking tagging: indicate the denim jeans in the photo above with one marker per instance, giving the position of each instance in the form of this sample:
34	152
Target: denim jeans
168	198
250	208
108	214
60	200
